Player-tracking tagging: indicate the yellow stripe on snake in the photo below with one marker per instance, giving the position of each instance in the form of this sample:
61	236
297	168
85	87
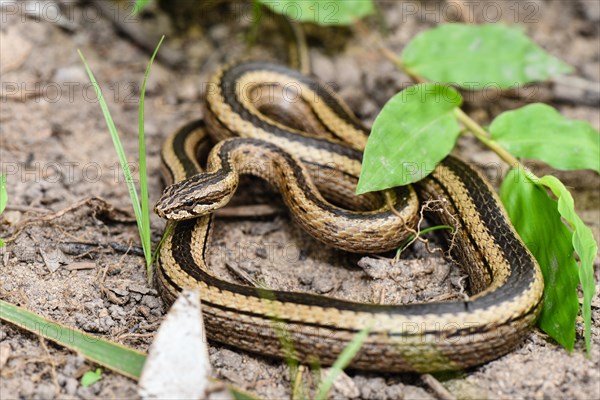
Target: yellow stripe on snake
315	134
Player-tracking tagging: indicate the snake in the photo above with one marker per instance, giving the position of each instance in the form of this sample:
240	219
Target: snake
310	147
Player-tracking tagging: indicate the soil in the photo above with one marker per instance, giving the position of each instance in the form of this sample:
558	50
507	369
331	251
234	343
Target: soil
83	268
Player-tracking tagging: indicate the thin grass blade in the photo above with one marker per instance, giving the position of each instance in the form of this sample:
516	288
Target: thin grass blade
118	147
342	362
145	209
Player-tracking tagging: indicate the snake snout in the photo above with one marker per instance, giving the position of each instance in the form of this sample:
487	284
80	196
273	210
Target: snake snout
192	198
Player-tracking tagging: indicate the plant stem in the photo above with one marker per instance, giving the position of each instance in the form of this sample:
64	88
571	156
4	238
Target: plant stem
484	137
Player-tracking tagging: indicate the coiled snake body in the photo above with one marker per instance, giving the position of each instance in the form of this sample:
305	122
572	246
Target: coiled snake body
315	135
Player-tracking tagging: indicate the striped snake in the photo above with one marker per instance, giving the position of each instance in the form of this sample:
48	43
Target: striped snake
310	149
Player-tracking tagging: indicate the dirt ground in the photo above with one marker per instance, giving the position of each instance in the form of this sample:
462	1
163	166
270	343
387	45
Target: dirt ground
83	268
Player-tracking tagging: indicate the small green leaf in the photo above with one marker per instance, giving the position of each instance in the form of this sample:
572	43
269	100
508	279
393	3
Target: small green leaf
322	12
480	56
537	220
413	132
91	377
584	244
539	132
139	5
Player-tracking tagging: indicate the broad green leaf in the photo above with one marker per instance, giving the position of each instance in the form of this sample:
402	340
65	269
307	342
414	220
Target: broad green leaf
322	12
413	132
91	377
139	5
538	131
535	216
480	57
583	243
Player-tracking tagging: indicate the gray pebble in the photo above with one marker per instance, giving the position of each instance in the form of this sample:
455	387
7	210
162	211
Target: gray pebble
44	391
27	389
226	357
261	252
372	388
106	323
134	287
306	277
116	311
395	391
87	392
219	32
323	285
150	301
93	305
73	73
120	292
71	386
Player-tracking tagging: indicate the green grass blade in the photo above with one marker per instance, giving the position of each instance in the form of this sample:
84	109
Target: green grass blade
114	356
3	194
342	362
3	198
146	244
126	361
118	147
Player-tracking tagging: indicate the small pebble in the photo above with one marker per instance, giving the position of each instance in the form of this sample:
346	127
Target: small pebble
323	285
139	288
44	391
306	277
150	301
27	389
71	386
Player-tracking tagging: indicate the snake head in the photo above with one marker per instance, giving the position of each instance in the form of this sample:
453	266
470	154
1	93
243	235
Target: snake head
199	195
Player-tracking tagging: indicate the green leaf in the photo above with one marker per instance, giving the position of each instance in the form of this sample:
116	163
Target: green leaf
413	132
480	56
139	5
584	244
3	199
91	377
126	361
539	132
322	12
537	220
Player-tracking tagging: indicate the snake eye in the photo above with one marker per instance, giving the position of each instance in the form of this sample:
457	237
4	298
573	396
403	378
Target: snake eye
188	203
